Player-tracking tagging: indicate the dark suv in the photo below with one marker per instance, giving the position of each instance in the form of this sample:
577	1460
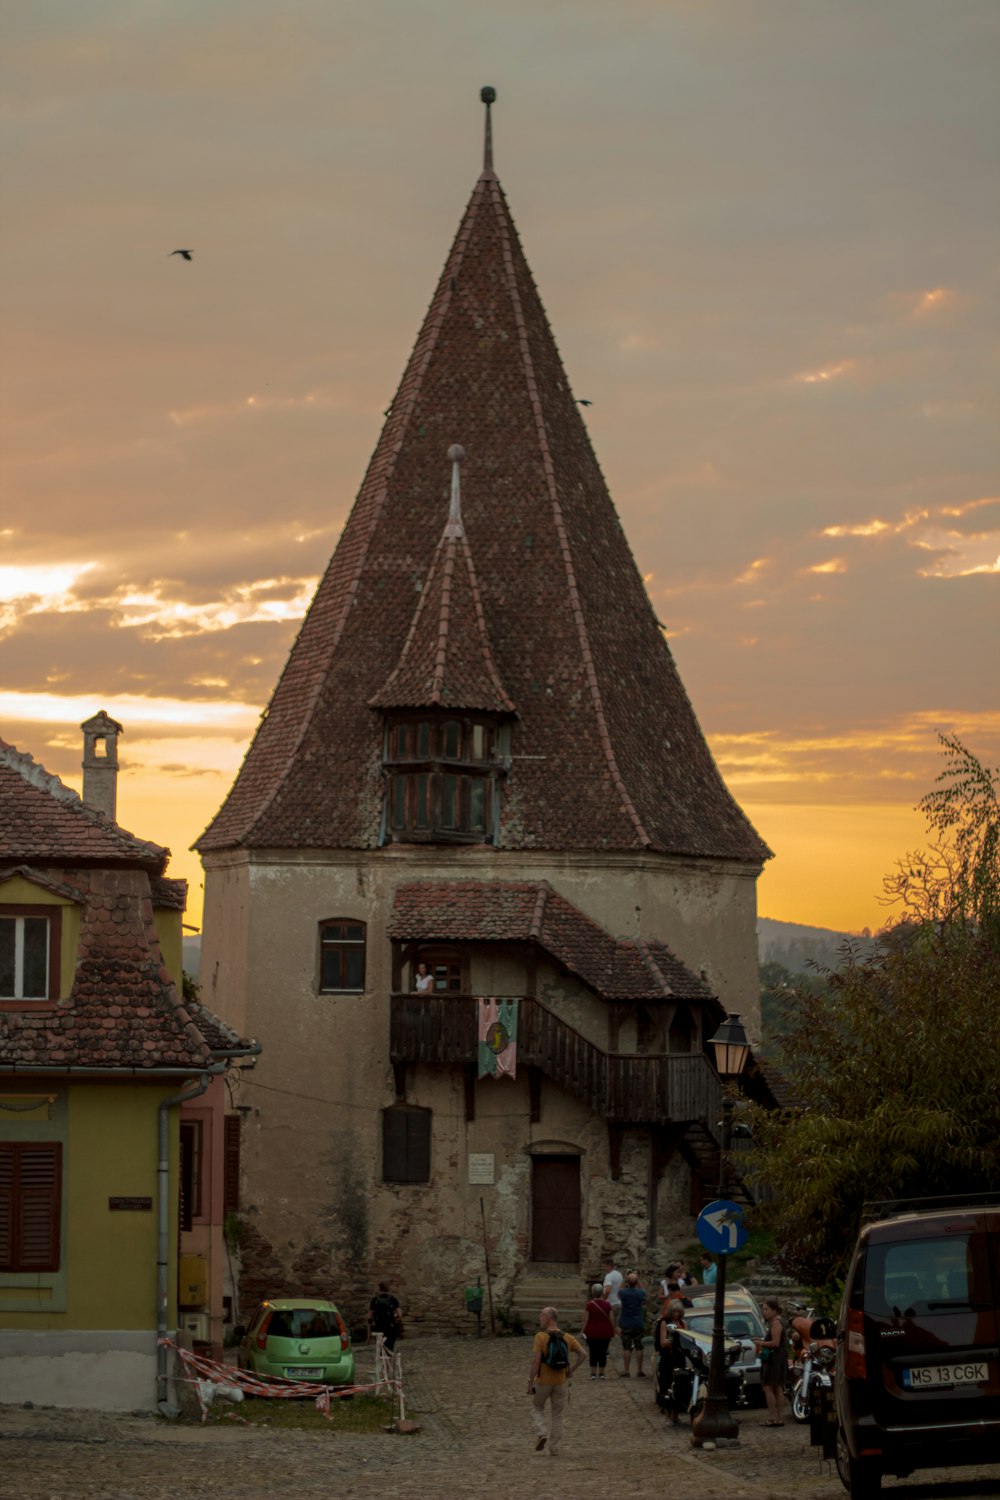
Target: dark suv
918	1375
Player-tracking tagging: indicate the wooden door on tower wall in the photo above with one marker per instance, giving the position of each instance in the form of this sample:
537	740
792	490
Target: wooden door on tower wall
555	1208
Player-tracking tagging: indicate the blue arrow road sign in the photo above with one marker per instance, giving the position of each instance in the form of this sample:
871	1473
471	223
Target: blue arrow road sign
721	1227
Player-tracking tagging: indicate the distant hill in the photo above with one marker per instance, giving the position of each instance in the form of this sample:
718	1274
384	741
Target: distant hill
795	947
191	959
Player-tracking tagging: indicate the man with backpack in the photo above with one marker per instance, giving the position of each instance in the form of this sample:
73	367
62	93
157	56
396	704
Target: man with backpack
551	1373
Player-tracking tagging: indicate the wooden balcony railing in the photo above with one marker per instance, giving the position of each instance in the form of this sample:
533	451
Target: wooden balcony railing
626	1088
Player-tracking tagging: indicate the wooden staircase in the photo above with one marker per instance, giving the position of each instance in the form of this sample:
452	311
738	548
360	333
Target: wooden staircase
626	1088
702	1150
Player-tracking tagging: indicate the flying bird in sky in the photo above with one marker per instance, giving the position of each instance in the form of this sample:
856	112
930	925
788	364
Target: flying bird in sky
187	254
581	402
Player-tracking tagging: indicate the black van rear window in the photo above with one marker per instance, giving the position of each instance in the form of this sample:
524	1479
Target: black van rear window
927	1275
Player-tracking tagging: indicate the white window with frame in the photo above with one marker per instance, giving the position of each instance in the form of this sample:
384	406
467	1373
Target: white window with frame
24	957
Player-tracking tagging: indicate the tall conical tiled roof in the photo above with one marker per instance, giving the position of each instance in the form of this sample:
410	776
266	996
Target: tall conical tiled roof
606	752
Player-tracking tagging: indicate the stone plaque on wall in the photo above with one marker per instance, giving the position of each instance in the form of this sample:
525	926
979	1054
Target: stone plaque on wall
481	1168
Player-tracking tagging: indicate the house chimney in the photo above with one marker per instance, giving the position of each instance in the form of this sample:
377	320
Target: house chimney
100	762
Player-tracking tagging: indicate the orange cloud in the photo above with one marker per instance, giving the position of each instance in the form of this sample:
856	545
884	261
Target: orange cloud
935	298
828	372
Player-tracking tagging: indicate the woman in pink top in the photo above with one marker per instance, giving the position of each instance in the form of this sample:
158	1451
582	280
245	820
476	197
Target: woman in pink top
598	1330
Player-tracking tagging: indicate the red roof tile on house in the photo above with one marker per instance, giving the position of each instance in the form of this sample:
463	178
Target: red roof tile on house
169	894
532	911
607	752
43	821
123	1010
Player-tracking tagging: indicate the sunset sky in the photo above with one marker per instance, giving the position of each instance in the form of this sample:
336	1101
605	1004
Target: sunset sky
765	232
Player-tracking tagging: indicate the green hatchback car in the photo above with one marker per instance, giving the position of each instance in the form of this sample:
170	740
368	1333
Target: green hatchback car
298	1338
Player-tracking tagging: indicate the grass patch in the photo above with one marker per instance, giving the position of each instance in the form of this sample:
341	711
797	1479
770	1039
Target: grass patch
360	1414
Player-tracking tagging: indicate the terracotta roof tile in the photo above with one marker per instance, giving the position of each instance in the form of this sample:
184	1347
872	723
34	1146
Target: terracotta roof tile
169	894
607	752
41	878
447	660
43	821
532	911
218	1034
123	1010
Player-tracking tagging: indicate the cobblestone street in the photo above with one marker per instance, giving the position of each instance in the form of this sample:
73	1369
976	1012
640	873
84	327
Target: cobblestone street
475	1441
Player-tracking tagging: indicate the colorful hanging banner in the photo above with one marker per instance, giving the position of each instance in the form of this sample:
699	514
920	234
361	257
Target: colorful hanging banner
497	1038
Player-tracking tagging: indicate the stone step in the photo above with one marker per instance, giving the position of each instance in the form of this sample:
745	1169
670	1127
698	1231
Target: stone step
567	1293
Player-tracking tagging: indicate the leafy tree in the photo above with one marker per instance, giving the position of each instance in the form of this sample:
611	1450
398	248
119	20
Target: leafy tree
779	991
896	1073
957	878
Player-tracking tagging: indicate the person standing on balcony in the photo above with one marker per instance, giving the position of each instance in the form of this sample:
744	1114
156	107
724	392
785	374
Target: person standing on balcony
423	980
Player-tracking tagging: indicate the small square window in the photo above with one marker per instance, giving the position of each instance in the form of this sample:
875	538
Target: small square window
452	740
449	801
341	956
421	811
477	805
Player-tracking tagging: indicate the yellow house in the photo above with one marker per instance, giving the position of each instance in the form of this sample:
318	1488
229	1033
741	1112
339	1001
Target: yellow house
112	1127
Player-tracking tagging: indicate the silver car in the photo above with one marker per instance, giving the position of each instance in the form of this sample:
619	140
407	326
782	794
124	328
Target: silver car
743	1322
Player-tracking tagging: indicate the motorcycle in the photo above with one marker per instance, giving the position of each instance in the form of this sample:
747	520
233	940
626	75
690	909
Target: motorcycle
814	1348
689	1385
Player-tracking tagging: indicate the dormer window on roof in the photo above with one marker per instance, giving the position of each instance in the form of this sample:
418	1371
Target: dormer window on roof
443	776
25	942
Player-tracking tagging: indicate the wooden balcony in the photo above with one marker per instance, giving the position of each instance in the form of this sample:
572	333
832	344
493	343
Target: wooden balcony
625	1088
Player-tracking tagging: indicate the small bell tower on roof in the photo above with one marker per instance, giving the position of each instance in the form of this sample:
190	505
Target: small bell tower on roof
100	762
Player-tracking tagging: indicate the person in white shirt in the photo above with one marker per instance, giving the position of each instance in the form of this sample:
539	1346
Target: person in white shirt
422	980
613	1279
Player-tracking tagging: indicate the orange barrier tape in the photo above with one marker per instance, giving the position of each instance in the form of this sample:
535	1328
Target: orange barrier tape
275	1387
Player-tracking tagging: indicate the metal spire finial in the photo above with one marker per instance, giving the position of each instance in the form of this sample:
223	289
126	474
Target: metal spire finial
454	527
488	95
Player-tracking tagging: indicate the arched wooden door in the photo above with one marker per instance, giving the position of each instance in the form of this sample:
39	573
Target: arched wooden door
555	1208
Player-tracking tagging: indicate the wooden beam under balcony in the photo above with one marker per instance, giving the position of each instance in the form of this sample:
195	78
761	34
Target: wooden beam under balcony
627	1089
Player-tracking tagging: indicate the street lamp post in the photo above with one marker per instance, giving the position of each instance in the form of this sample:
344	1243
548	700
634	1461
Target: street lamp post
715	1420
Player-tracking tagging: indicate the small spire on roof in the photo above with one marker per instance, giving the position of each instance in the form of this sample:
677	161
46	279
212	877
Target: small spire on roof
454	527
487	95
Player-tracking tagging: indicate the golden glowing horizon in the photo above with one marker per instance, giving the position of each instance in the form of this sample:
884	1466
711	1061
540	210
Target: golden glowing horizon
787	360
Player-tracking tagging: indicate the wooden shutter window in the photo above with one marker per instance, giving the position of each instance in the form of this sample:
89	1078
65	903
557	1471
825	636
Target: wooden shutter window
406	1144
231	1165
30	1206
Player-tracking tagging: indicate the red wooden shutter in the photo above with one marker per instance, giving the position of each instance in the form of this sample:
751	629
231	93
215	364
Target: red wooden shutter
231	1165
30	1206
7	1170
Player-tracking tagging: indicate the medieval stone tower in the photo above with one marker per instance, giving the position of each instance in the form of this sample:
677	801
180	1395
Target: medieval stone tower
479	759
